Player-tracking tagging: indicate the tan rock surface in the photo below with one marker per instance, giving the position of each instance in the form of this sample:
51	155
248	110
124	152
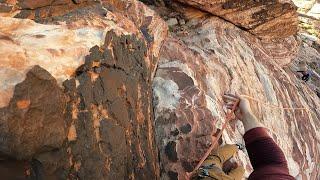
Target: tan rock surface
309	19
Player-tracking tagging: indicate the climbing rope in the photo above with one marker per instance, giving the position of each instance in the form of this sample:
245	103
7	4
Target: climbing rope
273	106
229	117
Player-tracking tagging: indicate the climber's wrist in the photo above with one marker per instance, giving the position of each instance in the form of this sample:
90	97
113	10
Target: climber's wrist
250	121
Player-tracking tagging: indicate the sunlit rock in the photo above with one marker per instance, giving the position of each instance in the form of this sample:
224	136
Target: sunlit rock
217	57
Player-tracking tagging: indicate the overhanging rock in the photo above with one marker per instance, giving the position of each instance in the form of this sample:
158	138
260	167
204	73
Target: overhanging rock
269	19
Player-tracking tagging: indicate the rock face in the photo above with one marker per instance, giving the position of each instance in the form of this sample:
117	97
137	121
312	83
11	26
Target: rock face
36	110
309	16
41	9
83	94
216	57
152	27
76	90
267	19
111	115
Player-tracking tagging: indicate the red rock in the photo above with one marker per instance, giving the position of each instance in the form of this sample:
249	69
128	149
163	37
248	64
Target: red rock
146	20
41	9
217	57
85	108
266	19
35	116
75	87
31	4
23	104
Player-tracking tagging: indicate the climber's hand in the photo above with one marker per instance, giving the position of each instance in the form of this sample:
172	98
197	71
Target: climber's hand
242	105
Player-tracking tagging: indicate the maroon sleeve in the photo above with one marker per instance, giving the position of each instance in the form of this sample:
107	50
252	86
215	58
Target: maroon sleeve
265	155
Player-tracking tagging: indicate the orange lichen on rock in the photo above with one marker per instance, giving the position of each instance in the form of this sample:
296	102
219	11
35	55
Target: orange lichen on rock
23	104
72	134
77	166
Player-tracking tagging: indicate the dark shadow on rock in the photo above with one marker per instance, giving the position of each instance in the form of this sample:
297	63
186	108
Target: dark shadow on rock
114	126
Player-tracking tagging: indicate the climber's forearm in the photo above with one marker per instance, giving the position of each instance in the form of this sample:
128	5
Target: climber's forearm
250	122
266	156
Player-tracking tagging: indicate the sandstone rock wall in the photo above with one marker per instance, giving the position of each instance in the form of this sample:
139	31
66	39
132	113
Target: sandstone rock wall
41	8
76	79
216	57
267	19
76	90
111	113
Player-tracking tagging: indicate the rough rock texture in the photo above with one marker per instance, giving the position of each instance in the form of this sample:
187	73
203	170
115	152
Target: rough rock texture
112	117
41	8
76	90
307	54
309	16
154	2
67	46
310	8
216	57
76	79
152	27
268	19
36	110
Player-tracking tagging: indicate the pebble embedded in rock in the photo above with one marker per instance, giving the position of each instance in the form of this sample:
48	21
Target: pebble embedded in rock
172	22
182	22
175	132
192	22
185	129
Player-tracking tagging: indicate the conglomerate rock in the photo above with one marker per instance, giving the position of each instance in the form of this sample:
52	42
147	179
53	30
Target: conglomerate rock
216	57
75	90
268	19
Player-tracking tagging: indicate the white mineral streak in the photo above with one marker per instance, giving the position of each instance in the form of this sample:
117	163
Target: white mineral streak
166	94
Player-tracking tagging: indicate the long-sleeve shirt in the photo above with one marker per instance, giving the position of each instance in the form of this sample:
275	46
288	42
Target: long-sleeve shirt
267	159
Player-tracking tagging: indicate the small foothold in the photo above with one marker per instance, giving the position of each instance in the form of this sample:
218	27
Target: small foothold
182	22
175	132
172	22
97	70
185	129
